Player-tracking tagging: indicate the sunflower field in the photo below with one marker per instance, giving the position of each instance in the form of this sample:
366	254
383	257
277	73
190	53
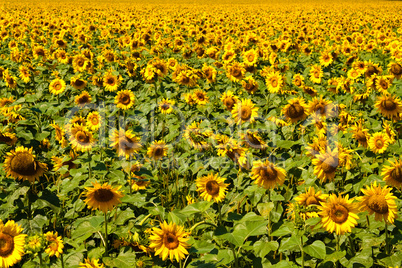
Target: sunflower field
200	134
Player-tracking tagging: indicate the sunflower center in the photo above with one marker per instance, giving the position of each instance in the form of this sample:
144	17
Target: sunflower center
80	62
361	137
200	96
82	137
320	108
79	83
250	57
24	164
6	245
127	143
57	86
396	174
274	82
170	241
165	106
295	110
83	99
212	187
378	204
94	120
339	214
236	73
229	102
245	113
158	151
103	195
384	84
396	69
125	99
110	81
298	82
329	165
5	139
388	105
379	143
268	173
312	200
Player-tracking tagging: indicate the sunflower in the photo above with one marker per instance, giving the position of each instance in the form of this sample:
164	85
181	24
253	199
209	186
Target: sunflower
229	100
392	174
8	137
166	106
244	111
338	214
235	72
295	110
196	137
169	241
209	73
389	106
21	164
250	57
94	121
57	86
395	69
298	80
81	139
91	263
274	82
139	183
83	99
55	244
379	201
253	140
316	74
124	99
78	83
319	143
319	106
309	200
212	187
360	134
59	162
325	164
157	150
267	174
125	142
24	73
382	83
11	243
111	82
102	197
250	85
79	63
378	142
200	97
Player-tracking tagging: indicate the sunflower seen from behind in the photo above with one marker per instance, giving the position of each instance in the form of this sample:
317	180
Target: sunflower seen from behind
103	197
21	164
267	174
169	241
338	214
212	187
12	243
379	201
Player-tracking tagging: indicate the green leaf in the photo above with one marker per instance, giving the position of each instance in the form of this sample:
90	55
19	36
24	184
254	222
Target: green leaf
176	217
124	216
285	230
316	250
290	243
336	256
124	260
196	208
262	248
265	208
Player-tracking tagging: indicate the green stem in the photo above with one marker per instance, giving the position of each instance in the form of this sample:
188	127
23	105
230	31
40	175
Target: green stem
302	250
106	237
352	246
40	258
386	239
235	256
337	249
62	260
89	166
220	214
269	217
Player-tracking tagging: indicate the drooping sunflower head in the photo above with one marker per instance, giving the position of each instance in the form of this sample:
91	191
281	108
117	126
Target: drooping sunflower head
295	110
8	137
78	83
360	134
103	197
170	241
267	174
250	85
392	174
11	243
244	111
157	150
319	106
338	214
21	164
253	139
91	263
212	187
379	201
125	142
124	99
139	183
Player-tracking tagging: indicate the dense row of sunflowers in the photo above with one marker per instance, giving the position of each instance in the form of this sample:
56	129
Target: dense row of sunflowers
191	136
